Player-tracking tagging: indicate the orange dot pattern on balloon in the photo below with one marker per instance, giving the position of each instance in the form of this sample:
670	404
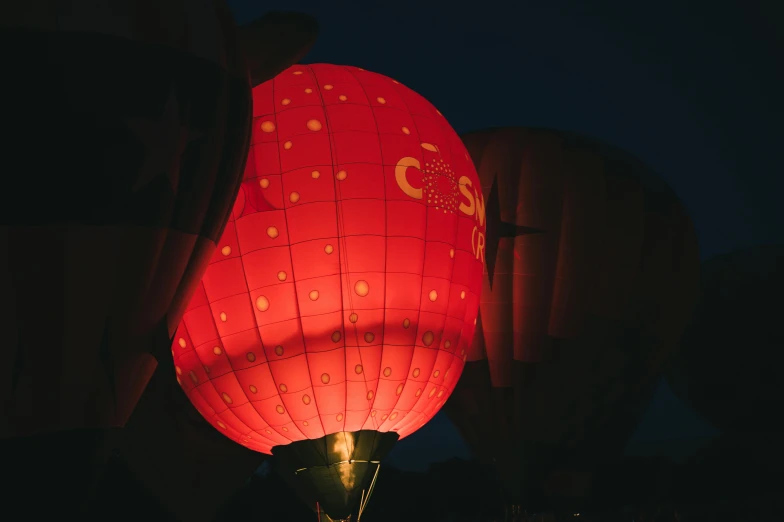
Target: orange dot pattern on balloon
441	186
351	238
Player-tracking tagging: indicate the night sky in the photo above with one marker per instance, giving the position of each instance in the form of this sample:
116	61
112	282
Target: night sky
693	88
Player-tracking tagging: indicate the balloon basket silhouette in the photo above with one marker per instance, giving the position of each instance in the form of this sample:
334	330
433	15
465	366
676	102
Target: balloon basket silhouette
336	473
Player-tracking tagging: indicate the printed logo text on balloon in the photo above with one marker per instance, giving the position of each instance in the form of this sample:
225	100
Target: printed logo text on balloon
434	171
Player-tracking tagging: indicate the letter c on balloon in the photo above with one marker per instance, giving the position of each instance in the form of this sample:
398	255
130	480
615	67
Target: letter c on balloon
400	176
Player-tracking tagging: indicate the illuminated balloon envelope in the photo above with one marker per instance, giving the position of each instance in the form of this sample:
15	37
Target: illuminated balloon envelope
336	314
128	129
590	277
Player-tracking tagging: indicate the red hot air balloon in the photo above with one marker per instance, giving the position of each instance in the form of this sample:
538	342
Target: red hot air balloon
337	312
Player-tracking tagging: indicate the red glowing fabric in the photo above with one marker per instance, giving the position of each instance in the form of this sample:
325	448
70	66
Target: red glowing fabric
343	294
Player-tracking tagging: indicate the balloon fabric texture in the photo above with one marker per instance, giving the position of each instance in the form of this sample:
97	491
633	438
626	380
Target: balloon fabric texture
165	438
124	242
115	221
343	294
591	275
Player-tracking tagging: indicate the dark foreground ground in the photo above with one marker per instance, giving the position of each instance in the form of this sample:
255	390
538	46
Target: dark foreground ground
719	483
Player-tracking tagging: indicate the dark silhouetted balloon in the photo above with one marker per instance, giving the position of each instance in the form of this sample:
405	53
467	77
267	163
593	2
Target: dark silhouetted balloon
274	41
729	365
170	448
127	126
590	276
179	457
